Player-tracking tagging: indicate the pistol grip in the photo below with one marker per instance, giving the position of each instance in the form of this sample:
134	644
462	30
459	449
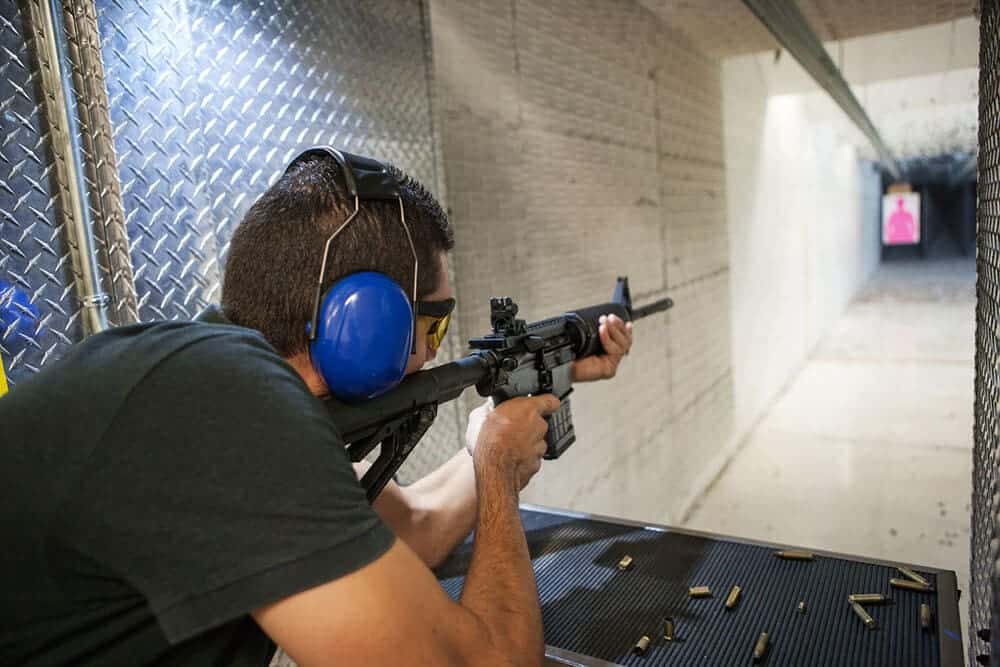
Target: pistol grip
560	434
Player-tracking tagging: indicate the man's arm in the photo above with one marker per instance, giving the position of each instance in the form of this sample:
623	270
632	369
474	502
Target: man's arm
394	612
434	514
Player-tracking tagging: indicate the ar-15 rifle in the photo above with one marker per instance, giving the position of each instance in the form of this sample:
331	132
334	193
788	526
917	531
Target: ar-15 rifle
517	359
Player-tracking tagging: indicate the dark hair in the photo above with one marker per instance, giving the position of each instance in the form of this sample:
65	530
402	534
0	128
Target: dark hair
275	253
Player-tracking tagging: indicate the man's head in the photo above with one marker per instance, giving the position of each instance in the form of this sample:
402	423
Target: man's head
275	253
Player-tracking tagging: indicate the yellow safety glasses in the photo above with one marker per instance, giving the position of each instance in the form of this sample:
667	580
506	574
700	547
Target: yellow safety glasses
439	312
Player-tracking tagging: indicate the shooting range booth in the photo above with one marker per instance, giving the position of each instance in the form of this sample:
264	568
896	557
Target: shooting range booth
138	132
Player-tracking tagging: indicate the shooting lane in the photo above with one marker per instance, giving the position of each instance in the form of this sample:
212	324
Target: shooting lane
521	115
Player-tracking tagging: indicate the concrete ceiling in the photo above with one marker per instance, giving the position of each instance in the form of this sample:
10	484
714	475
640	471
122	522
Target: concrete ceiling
722	28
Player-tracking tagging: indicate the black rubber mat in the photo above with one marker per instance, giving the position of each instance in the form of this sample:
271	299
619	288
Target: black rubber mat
592	608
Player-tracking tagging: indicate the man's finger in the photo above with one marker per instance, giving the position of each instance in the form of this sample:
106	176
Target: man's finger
621	337
611	346
628	330
620	330
546	404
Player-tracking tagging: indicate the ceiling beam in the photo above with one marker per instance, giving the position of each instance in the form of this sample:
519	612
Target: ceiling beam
790	28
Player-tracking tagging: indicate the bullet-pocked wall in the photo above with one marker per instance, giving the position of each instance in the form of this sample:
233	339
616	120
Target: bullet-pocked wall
571	159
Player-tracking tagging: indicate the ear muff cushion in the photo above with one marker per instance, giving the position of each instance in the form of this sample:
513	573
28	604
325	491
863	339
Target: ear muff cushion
364	336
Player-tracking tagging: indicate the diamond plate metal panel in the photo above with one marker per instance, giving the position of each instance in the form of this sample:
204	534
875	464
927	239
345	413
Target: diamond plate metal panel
35	262
209	100
152	74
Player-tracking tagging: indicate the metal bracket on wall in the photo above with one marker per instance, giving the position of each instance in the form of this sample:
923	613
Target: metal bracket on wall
100	160
64	47
790	28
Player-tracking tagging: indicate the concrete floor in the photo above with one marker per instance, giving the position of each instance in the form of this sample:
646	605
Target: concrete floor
869	450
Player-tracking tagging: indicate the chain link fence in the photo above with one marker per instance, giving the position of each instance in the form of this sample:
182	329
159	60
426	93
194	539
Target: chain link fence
986	502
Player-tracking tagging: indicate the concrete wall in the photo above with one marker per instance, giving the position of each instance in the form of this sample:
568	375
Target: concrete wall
803	223
571	158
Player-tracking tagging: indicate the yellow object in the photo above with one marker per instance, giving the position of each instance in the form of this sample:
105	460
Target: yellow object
3	379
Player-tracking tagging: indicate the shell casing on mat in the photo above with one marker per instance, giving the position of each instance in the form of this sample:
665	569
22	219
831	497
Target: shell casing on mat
910	585
700	592
668	629
760	648
794	555
625	563
913	576
926	617
641	646
734	597
868	598
863	615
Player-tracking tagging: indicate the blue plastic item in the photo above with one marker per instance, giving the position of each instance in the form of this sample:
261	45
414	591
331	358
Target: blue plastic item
17	314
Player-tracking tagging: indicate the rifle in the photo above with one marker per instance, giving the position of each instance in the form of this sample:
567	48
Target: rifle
516	359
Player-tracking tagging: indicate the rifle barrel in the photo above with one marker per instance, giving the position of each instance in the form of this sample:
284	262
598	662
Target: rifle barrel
652	308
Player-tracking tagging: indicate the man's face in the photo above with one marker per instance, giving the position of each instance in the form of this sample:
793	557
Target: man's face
424	352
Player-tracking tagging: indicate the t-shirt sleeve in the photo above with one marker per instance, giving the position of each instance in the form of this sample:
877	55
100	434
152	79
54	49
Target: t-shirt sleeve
223	486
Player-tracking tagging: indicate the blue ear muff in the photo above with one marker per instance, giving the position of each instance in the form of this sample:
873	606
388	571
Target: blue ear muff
364	336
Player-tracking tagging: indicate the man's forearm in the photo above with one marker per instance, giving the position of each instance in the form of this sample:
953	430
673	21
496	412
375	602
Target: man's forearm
500	585
447	499
432	515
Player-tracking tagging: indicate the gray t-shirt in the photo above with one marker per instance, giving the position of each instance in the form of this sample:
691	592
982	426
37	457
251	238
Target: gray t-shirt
159	483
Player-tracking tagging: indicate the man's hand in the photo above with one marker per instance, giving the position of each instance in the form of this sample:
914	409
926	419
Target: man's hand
476	420
616	337
475	425
512	438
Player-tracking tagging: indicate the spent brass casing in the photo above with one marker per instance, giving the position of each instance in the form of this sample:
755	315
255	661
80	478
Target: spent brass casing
734	597
910	585
625	563
760	648
699	592
668	629
802	607
641	646
926	618
794	555
868	598
863	615
910	574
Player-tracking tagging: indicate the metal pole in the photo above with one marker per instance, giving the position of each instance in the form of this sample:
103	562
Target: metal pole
60	104
100	160
790	28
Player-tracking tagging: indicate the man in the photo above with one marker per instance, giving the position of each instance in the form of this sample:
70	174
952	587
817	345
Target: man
176	493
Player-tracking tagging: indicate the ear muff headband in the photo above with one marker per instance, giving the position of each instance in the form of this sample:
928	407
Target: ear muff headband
335	334
365	179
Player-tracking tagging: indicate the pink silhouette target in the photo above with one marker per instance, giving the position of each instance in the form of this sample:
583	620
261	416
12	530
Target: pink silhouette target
901	219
